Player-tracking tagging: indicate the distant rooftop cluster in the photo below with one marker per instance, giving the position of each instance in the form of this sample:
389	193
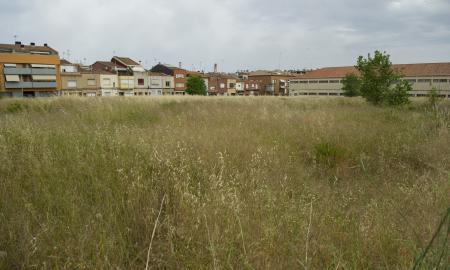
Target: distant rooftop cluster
37	71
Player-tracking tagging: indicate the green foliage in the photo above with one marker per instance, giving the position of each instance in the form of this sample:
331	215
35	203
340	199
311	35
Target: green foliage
380	83
398	95
196	86
433	98
326	153
15	107
352	85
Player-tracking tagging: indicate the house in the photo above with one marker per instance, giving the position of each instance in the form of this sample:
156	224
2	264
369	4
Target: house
221	84
29	70
272	83
140	76
160	84
70	79
252	87
124	83
180	76
328	81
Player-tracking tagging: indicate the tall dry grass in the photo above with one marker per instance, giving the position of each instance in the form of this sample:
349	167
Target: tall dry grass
220	183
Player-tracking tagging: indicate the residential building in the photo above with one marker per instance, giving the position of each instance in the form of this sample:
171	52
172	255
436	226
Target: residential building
124	83
328	81
29	70
70	79
160	84
136	70
221	84
272	83
180	76
252	87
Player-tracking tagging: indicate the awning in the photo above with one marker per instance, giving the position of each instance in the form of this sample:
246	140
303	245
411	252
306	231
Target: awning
10	65
44	77
42	66
12	78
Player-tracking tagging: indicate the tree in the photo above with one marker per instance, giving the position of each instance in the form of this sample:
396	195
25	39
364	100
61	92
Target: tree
196	86
352	85
380	83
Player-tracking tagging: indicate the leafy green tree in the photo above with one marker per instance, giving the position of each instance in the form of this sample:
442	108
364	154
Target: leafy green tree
352	85
196	86
380	83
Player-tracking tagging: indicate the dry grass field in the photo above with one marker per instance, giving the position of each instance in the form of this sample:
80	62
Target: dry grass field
222	183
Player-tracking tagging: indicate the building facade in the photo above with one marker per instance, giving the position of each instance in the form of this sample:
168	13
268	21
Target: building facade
328	81
29	70
180	76
272	83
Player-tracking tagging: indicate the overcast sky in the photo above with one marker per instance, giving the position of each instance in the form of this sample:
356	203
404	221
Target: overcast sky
236	34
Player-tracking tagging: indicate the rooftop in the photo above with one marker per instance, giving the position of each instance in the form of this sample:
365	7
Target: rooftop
29	49
408	70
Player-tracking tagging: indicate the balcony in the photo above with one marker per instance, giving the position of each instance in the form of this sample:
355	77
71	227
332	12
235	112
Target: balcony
44	84
18	85
29	71
17	71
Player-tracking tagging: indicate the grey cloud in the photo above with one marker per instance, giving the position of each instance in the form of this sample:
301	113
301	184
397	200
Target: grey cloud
237	34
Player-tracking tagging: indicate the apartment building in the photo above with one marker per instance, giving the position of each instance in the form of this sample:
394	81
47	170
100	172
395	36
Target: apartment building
139	75
29	70
220	84
252	87
328	81
180	76
160	84
124	82
272	83
70	79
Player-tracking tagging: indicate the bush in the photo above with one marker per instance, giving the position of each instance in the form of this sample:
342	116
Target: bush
398	95
352	85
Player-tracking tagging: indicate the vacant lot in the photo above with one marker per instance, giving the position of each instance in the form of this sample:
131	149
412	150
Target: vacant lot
221	183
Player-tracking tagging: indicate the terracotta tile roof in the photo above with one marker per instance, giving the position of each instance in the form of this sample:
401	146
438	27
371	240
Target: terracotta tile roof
126	61
8	48
408	70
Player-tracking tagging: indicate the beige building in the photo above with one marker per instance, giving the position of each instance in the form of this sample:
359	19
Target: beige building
328	81
160	84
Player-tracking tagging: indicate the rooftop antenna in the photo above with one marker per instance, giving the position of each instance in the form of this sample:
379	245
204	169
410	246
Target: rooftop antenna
68	54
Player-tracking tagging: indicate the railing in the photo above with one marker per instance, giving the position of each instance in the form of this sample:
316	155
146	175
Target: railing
29	71
19	85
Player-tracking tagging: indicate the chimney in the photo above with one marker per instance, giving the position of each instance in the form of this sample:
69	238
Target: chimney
32	43
179	64
45	45
18	42
215	68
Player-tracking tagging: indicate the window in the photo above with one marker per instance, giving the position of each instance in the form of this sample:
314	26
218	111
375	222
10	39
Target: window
179	85
91	82
140	81
179	76
411	80
313	81
222	85
72	83
323	81
303	82
440	80
424	80
106	81
167	84
231	85
246	86
334	81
